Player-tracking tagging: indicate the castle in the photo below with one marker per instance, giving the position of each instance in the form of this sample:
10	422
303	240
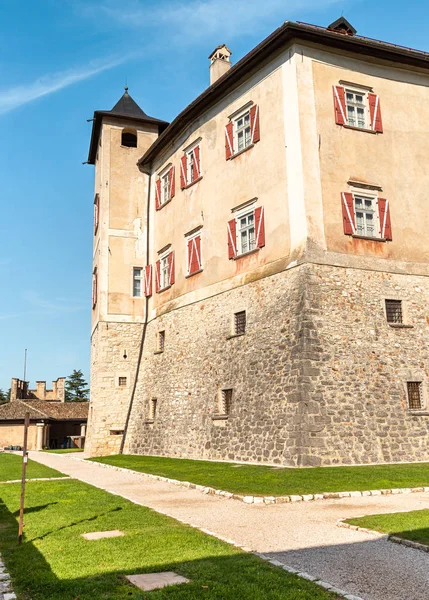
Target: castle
261	263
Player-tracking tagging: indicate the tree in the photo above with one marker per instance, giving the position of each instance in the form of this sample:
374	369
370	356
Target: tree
76	387
4	397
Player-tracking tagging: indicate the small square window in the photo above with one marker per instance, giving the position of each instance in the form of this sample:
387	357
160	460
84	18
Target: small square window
161	341
224	402
122	382
394	311
116	432
415	397
240	323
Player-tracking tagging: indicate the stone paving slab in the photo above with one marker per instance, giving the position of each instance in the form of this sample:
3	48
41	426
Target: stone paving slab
156	581
101	535
302	536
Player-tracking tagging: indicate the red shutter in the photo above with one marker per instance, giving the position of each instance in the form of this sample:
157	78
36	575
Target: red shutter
232	239
229	140
172	182
197	247
148	280
340	105
94	289
171	276
158	276
260	227
194	255
183	172
158	194
96	212
375	112
384	215
348	213
197	167
254	123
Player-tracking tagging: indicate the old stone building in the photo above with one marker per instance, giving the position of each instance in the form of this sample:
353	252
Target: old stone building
262	262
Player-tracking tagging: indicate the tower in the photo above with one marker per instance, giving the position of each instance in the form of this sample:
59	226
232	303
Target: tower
119	137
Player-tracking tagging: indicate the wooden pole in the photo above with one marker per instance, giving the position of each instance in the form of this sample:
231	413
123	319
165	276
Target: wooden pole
24	469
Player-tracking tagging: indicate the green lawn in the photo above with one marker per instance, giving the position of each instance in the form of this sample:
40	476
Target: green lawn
64	450
410	525
11	466
55	563
274	481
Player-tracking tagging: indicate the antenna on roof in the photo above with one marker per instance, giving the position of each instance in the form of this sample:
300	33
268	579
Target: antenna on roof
25	364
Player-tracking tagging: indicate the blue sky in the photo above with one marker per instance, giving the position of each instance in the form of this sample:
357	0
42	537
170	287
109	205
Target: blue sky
59	61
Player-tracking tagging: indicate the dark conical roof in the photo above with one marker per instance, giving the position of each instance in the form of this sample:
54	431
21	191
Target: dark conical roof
126	109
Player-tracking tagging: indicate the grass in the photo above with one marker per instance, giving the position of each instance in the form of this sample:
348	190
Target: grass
412	525
274	481
11	465
64	450
56	563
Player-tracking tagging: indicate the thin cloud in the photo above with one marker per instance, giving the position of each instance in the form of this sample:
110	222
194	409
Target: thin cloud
23	94
52	305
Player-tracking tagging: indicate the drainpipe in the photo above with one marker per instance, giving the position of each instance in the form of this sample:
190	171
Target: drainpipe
139	360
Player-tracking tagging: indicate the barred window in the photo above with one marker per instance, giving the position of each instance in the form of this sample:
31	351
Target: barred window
152	409
414	391
122	381
161	341
224	402
394	311
240	322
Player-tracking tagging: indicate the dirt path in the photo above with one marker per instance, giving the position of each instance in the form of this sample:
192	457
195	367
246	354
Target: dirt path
302	535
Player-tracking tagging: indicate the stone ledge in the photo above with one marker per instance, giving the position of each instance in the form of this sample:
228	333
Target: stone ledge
391	538
36	479
248	499
409	543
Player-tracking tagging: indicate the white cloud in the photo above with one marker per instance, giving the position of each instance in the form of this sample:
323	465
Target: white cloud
53	304
17	96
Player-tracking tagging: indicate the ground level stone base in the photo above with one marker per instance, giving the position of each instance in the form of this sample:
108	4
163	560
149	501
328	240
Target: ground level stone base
319	378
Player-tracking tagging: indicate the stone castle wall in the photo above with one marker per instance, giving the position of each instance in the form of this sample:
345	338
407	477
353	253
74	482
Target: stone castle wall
110	401
318	379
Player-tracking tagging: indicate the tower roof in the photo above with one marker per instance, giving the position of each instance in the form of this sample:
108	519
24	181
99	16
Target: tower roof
125	109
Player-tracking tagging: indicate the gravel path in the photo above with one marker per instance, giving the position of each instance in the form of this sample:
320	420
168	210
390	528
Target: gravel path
302	535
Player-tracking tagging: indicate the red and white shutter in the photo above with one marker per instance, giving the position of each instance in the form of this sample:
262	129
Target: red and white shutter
384	216
148	280
96	212
158	276
348	207
254	124
197	163
232	239
172	182
340	105
171	275
229	140
158	194
259	227
94	289
183	166
375	112
194	255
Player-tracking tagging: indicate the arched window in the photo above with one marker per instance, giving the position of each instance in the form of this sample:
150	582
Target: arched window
129	138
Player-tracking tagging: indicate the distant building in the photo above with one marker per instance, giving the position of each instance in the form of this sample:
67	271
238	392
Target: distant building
54	423
266	256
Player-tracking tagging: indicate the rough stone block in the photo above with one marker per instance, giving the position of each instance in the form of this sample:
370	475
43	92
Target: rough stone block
156	581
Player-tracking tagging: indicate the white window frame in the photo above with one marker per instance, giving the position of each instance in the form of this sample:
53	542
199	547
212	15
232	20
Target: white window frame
164	270
236	130
189	153
165	187
365	104
189	238
138	278
374	199
245	213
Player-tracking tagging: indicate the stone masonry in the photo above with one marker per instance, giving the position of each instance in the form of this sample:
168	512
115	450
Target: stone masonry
319	378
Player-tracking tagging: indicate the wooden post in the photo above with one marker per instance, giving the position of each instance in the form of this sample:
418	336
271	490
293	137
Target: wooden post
24	469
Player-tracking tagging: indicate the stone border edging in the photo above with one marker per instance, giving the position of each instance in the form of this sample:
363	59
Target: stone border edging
35	479
6	592
391	538
264	499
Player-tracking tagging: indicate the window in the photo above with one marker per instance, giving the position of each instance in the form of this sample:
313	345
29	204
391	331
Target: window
129	138
122	382
356	103
246	232
165	188
190	166
152	409
137	282
414	392
165	271
394	311
161	341
366	215
240	322
224	402
96	212
116	432
94	288
242	131
193	250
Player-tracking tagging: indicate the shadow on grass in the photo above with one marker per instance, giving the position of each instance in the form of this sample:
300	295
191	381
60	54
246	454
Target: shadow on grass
233	576
34	509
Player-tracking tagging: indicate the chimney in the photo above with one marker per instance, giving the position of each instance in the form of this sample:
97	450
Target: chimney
219	62
41	390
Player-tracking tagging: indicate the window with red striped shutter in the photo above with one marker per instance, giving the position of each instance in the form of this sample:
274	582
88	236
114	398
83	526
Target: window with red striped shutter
242	132
366	216
190	166
246	232
358	108
194	261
